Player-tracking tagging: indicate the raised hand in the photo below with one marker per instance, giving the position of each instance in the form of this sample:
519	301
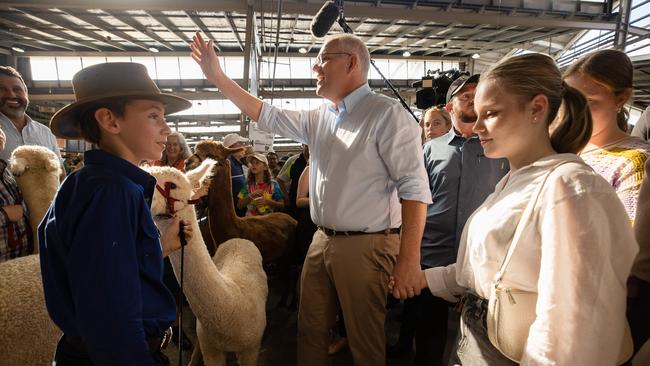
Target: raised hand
204	55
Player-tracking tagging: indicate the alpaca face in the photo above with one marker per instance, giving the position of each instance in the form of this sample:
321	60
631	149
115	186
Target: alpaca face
34	158
180	189
210	149
181	186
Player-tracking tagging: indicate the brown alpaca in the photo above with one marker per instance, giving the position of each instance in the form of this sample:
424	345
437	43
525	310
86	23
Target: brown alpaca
273	234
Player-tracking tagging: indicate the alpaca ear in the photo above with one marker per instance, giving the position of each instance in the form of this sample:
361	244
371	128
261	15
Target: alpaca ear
229	151
196	175
53	165
17	166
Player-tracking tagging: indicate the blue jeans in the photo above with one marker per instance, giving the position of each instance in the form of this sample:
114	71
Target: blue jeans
473	345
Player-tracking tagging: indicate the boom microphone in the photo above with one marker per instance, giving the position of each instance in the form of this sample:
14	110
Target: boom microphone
324	19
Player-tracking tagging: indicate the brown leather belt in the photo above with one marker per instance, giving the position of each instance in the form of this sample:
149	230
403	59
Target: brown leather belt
331	232
155	344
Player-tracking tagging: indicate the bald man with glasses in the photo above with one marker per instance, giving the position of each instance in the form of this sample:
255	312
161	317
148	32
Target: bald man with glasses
368	196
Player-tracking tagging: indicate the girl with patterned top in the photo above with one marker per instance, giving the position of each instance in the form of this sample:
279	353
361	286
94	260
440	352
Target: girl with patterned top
605	78
260	195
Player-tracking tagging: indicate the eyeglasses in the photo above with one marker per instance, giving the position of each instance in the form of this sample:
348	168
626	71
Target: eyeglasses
323	57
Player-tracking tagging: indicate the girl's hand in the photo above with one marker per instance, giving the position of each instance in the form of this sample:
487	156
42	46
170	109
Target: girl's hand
260	202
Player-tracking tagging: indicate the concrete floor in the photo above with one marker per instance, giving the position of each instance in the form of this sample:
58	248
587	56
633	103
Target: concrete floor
279	342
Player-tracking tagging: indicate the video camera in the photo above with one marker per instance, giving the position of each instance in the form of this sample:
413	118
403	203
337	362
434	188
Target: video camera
433	87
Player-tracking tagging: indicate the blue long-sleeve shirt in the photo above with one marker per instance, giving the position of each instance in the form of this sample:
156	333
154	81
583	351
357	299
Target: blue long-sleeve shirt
101	261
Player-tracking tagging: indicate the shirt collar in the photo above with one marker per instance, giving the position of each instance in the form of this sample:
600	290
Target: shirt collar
453	134
28	119
351	100
122	167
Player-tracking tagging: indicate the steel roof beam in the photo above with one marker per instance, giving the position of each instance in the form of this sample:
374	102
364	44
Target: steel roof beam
141	28
96	22
387	12
58	20
30	28
198	22
167	24
233	27
409	29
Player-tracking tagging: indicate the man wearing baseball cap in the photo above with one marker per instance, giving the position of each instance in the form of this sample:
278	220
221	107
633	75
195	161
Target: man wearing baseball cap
460	178
238	169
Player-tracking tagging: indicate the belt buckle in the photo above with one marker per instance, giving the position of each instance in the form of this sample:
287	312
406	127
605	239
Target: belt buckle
166	338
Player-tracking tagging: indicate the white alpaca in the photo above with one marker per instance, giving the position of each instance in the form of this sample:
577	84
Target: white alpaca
37	171
28	334
227	293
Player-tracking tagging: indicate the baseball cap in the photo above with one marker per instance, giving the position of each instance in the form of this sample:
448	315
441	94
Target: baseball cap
232	138
259	157
459	83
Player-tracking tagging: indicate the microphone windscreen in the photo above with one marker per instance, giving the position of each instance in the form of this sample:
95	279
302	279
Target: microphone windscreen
324	19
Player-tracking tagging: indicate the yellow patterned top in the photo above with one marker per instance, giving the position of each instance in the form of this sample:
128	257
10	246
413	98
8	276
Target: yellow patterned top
621	163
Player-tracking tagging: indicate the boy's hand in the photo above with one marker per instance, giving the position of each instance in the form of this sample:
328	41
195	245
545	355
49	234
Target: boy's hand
204	55
170	239
14	212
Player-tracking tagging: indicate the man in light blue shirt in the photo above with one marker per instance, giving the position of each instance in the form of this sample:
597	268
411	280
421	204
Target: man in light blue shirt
367	180
17	125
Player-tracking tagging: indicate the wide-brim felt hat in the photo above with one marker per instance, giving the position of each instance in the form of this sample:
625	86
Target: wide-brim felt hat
103	82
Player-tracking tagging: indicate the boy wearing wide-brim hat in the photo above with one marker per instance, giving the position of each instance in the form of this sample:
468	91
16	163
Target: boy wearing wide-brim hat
101	253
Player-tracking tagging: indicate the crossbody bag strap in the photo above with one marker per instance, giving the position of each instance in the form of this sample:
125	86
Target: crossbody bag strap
525	216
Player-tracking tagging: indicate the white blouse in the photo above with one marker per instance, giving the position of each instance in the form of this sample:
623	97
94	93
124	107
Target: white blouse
576	253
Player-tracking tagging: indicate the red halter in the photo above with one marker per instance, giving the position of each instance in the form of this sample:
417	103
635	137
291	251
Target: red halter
171	200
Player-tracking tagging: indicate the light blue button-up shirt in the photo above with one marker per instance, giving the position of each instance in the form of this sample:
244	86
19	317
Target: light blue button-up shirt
363	160
33	133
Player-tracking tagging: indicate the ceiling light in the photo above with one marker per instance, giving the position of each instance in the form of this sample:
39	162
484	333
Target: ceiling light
406	54
302	50
153	49
475	56
17	49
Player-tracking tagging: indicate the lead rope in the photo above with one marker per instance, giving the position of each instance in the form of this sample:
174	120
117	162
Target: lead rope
169	200
181	234
214	241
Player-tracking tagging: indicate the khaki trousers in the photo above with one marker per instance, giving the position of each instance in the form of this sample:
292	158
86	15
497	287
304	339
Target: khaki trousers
350	271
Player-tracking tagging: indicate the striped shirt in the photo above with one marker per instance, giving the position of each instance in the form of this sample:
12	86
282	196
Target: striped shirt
621	163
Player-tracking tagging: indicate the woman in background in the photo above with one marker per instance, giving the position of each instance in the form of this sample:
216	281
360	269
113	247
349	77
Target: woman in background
605	78
176	151
435	122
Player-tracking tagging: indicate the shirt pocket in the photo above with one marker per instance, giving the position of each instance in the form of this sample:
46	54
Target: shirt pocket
148	244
